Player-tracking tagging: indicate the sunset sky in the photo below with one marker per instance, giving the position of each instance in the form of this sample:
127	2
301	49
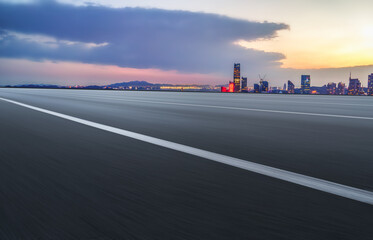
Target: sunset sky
196	41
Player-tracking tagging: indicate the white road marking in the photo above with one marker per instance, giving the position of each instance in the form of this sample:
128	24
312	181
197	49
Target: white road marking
303	180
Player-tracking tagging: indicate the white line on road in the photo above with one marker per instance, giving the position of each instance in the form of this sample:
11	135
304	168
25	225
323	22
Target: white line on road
310	182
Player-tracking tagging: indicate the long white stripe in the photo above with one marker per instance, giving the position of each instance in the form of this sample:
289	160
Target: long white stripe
311	182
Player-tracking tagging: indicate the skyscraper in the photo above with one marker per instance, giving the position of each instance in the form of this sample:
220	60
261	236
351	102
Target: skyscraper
237	77
244	84
354	86
305	84
263	86
341	88
291	87
331	88
370	85
256	88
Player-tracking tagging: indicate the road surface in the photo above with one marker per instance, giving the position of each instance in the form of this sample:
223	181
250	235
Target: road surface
72	166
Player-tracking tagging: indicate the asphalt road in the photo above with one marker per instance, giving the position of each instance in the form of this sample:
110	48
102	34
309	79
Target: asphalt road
64	180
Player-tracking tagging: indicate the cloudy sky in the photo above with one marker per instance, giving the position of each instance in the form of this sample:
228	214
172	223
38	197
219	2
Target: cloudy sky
196	41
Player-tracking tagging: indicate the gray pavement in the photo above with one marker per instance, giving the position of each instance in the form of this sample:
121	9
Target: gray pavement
64	180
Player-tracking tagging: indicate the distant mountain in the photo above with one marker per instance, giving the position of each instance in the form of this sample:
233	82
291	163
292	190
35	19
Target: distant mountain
92	87
131	84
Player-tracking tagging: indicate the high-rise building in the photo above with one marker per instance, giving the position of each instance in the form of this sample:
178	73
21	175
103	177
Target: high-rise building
331	88
291	87
370	85
256	88
244	84
264	86
237	77
354	86
341	88
284	88
305	84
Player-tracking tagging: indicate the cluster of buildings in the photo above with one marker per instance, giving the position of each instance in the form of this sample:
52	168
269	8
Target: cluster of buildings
239	84
333	89
354	87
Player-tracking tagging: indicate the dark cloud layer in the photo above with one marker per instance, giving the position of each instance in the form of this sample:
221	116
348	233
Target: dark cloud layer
135	37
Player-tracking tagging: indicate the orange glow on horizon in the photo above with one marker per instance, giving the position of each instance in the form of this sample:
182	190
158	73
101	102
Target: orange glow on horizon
318	49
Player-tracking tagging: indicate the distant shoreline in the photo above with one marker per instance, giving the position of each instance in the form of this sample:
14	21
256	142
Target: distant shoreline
178	91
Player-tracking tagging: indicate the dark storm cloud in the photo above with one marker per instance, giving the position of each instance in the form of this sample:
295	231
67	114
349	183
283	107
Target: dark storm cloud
132	37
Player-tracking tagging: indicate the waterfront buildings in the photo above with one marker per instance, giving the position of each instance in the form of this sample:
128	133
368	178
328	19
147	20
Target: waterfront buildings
263	86
244	84
331	88
240	84
291	87
256	88
341	88
354	86
370	85
229	89
305	84
237	77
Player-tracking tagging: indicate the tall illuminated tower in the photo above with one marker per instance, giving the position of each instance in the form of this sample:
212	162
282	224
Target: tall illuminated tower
237	77
370	84
305	84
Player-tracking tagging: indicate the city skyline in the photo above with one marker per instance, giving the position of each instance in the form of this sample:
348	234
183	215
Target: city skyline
257	35
240	84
